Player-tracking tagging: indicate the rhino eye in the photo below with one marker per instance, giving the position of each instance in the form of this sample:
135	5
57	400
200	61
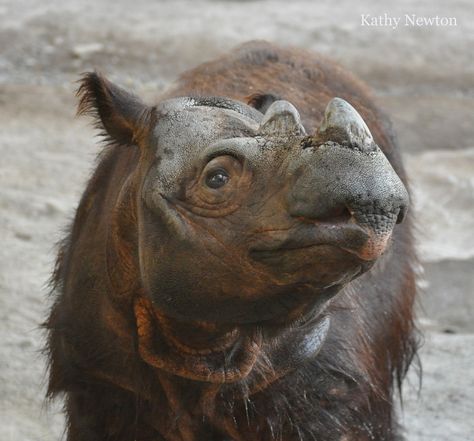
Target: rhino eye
221	184
217	178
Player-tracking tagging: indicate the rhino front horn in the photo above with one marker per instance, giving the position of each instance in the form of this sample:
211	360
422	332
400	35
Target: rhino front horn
343	124
281	119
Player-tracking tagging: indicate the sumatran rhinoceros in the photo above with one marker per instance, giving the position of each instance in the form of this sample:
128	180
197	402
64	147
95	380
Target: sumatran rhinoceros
240	266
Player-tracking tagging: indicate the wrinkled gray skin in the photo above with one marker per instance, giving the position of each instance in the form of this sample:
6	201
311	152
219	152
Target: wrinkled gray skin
301	217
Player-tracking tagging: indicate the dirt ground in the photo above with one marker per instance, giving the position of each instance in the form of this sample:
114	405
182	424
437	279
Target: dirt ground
423	76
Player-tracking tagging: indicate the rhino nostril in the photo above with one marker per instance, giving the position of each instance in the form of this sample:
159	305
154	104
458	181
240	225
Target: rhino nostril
402	214
335	215
332	215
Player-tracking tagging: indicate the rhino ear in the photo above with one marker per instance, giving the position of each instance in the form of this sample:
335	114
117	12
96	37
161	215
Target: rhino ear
262	101
122	117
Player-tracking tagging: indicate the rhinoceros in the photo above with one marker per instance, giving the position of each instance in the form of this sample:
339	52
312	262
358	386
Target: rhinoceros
241	264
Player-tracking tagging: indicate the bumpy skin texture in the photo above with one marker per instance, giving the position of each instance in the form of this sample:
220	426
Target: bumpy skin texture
132	363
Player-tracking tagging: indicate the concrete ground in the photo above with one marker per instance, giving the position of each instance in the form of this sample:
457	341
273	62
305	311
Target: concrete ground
423	76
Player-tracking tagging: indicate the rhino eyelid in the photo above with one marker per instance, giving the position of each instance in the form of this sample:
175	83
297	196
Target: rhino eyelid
216	154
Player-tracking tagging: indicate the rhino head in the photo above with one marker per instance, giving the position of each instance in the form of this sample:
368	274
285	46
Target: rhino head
243	220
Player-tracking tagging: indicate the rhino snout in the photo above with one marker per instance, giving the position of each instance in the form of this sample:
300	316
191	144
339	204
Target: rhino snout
346	179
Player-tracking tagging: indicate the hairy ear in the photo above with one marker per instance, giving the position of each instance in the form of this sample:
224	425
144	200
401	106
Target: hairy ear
262	101
121	116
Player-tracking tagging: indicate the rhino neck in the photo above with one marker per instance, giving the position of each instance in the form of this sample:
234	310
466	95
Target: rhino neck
239	359
215	355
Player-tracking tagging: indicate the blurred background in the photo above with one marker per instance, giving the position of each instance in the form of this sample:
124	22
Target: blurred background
422	75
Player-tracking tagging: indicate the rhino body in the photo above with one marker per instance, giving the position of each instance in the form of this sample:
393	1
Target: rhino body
240	266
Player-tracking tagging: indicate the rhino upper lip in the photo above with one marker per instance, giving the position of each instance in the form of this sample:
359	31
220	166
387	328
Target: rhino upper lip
347	236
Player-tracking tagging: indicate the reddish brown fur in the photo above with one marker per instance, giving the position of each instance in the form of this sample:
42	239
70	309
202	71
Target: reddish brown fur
95	354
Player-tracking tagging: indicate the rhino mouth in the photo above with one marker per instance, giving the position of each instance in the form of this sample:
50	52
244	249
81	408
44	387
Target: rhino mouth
348	237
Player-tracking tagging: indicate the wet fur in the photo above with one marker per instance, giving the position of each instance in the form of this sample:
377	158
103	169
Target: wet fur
345	394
